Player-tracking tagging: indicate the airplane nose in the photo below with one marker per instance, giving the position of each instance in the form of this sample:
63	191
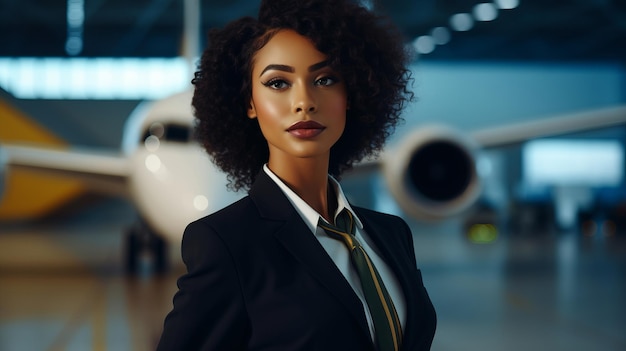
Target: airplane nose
176	185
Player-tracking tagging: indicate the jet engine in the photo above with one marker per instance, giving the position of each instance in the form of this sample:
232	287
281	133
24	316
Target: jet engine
432	173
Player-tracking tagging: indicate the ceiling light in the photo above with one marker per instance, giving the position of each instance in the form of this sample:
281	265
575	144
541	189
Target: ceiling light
461	22
485	12
75	18
441	35
424	44
507	4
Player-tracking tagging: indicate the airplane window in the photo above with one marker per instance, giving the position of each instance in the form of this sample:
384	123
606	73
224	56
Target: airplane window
170	132
177	133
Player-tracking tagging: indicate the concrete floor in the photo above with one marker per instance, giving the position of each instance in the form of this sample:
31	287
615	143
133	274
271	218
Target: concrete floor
63	287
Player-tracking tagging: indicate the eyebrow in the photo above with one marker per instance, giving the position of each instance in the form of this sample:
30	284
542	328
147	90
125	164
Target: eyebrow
314	67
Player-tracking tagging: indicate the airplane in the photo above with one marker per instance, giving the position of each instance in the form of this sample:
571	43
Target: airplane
432	172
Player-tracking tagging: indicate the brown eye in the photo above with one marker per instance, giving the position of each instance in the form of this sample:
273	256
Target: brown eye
277	84
326	81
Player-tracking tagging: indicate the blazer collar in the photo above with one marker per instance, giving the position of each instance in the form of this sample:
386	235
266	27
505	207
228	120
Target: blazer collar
269	199
297	238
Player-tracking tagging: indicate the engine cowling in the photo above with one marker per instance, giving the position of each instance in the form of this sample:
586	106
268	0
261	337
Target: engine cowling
432	173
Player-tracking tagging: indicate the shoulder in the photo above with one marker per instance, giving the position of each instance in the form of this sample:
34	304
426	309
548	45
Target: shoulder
239	222
228	218
215	235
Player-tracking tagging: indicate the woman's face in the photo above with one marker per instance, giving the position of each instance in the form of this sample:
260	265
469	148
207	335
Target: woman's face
298	99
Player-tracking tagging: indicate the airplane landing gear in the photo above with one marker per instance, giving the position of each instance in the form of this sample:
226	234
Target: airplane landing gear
145	251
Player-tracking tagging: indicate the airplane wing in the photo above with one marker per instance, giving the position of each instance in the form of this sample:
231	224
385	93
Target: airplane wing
100	171
432	173
510	134
564	124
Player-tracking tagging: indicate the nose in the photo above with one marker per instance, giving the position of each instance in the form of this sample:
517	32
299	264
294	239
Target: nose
304	99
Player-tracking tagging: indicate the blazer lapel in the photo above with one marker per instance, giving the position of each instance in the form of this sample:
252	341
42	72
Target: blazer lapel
297	238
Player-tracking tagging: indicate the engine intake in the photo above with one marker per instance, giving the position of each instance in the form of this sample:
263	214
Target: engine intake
432	173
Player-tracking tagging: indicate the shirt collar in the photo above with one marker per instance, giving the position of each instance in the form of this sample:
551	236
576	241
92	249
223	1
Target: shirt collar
308	214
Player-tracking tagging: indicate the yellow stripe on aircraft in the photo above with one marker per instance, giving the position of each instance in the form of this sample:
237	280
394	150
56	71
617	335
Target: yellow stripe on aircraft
27	194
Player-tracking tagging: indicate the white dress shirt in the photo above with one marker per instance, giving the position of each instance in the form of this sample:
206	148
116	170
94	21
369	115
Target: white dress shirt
338	252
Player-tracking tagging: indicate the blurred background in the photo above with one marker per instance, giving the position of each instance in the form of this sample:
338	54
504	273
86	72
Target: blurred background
536	260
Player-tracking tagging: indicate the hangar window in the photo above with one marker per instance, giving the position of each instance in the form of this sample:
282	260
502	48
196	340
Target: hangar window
80	78
579	162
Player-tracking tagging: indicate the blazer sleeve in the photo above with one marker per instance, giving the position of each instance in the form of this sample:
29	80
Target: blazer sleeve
209	311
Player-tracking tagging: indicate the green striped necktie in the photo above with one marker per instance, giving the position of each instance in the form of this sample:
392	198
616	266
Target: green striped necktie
386	322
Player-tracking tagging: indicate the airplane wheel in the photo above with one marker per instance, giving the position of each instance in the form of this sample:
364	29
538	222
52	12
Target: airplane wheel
131	251
145	252
159	254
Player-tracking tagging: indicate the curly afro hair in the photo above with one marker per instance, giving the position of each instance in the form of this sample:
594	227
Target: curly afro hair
366	49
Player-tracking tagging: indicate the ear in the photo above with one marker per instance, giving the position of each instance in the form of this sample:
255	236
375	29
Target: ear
251	110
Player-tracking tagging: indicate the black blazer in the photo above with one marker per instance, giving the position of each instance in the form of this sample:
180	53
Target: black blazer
258	279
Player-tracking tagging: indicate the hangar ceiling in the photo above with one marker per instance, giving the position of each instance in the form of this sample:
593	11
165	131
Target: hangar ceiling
536	30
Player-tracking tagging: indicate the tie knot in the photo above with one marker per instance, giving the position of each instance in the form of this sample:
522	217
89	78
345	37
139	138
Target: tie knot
342	230
345	221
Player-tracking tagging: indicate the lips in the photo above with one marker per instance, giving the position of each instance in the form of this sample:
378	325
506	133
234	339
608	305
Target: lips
305	129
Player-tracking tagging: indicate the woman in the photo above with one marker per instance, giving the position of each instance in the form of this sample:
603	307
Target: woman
284	104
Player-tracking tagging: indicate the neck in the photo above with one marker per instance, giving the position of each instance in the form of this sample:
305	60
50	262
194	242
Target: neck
308	178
